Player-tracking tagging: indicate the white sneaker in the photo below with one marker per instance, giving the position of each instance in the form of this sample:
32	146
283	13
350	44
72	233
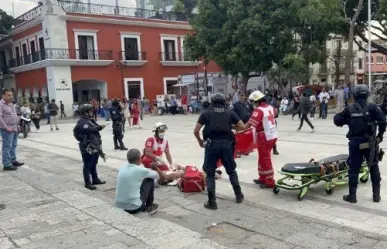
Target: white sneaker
37	131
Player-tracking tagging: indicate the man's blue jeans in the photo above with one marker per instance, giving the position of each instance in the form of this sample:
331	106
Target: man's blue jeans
9	147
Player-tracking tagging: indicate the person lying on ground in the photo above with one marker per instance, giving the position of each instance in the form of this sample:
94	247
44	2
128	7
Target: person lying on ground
135	185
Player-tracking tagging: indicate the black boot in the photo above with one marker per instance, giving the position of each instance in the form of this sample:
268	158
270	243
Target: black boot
116	147
122	146
275	151
376	193
211	204
351	198
238	193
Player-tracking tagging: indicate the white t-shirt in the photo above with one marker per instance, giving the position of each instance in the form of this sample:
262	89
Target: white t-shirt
75	108
284	102
178	102
312	98
322	95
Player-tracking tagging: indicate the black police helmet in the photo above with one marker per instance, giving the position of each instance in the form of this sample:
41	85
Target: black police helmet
85	108
218	98
360	91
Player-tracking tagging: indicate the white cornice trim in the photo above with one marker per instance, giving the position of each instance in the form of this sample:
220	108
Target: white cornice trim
180	63
86	30
172	25
169	35
133	63
129	33
60	63
27	25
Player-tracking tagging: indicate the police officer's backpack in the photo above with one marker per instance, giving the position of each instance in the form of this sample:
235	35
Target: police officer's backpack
359	122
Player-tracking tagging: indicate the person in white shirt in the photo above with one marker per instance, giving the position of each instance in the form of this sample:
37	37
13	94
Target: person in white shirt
179	106
284	105
312	99
323	98
75	109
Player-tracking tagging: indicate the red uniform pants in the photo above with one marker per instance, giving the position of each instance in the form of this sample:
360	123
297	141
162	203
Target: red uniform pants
265	166
147	162
135	119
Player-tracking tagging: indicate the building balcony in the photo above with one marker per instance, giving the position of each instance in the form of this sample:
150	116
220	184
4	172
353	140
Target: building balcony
112	10
130	58
61	57
323	71
177	60
29	15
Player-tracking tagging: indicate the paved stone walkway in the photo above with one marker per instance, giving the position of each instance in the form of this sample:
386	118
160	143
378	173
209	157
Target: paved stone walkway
48	207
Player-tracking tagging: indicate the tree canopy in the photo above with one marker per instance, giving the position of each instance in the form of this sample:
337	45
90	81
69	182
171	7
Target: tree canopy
6	22
245	36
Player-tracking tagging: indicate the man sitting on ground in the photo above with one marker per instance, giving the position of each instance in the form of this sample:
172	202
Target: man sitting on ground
135	185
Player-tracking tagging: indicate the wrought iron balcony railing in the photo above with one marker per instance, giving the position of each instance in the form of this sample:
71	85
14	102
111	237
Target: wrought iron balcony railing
29	15
101	9
172	56
62	54
133	56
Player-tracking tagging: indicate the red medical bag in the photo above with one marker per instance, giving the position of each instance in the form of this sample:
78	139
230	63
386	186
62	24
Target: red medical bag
192	180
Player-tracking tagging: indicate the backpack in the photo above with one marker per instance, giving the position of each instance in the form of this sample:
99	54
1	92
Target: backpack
76	134
192	180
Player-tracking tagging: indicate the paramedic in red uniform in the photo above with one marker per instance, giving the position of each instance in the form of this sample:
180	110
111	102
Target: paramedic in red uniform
263	120
155	147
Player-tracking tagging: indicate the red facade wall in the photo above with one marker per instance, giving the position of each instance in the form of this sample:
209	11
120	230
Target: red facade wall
22	36
34	78
109	38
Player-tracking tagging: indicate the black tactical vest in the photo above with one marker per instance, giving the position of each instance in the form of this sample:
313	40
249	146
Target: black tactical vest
359	121
219	126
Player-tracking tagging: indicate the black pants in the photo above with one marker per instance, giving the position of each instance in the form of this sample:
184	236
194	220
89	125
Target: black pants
90	167
305	117
62	113
146	195
118	135
313	111
355	161
297	110
36	122
223	150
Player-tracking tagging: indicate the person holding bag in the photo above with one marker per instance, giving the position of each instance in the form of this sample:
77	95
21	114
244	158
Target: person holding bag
36	114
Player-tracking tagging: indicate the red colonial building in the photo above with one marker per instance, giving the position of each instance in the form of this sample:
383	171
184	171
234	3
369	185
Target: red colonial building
77	51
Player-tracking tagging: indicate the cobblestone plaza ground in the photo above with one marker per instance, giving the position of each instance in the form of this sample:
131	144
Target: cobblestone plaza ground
47	205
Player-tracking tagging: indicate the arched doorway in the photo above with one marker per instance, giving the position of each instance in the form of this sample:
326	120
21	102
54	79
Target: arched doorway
85	90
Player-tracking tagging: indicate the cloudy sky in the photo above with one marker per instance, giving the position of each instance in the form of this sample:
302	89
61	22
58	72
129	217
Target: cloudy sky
22	6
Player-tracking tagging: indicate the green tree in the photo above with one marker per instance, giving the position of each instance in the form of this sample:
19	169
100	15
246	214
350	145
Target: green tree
6	22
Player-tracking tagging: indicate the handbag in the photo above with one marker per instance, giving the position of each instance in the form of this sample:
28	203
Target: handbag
192	181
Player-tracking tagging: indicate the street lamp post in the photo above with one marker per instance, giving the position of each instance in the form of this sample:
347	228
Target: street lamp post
369	45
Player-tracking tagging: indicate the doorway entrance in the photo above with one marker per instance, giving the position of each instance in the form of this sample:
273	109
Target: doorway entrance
134	88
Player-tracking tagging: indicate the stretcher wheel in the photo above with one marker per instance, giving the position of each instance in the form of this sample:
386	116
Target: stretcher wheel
364	179
329	191
276	190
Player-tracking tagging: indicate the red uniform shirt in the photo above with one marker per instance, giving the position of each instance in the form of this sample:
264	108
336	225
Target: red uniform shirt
158	147
257	116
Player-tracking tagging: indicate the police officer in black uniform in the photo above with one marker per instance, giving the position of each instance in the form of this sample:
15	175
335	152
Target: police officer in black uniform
117	117
87	133
359	117
219	143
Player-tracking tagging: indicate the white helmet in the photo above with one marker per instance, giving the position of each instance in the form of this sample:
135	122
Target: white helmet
160	126
256	96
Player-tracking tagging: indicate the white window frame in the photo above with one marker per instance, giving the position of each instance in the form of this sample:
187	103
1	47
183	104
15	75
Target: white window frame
80	32
141	80
131	35
182	39
27	46
169	38
379	63
165	79
40	35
